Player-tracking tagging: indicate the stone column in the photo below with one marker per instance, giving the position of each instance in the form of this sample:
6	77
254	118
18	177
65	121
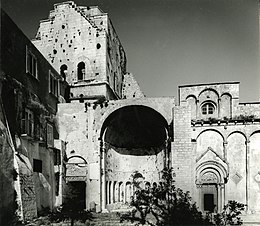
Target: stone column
225	149
247	175
116	191
219	198
103	177
111	185
197	109
223	198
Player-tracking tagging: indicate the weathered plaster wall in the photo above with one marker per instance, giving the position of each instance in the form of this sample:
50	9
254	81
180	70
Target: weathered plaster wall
7	196
25	89
121	163
38	187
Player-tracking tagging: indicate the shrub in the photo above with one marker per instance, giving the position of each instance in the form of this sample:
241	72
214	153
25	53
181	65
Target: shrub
164	204
230	214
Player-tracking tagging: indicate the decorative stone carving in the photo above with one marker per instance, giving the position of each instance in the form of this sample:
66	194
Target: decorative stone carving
257	179
236	178
209	178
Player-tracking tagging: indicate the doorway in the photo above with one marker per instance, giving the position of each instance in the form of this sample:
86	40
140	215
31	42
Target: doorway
209	202
76	195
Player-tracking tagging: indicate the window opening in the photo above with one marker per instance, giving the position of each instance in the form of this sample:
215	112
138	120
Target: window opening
31	63
81	71
64	71
49	135
208	109
53	84
37	165
27	123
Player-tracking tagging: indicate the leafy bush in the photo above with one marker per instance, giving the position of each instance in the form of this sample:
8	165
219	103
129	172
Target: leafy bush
230	214
164	204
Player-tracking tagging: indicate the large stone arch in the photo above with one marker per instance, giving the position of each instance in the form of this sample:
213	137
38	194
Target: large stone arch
211	177
225	105
133	138
210	138
254	172
160	105
236	158
192	101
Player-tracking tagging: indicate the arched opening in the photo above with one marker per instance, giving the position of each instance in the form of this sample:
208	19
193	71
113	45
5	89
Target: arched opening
76	176
208	108
81	71
64	71
134	138
210	179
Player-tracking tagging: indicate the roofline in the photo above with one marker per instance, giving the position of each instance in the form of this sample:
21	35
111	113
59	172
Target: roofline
205	84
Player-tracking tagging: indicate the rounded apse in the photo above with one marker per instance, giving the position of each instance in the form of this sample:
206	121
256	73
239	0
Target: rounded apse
135	127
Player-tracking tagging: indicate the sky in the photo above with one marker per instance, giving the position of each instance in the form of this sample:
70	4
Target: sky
174	42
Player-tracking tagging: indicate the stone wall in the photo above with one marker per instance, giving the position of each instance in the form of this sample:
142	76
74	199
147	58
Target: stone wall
131	88
74	35
182	152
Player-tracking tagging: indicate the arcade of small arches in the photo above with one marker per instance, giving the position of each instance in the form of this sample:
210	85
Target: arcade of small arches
222	165
121	192
210	103
81	71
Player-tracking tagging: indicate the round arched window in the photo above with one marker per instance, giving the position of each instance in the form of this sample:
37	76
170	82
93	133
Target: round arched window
81	71
207	109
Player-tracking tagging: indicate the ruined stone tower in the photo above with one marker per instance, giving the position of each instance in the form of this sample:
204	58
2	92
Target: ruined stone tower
81	43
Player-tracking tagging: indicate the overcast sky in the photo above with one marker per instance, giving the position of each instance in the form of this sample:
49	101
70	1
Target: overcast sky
174	42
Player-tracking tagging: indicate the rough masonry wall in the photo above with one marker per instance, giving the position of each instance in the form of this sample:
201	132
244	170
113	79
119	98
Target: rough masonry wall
68	38
76	35
116	60
131	88
36	187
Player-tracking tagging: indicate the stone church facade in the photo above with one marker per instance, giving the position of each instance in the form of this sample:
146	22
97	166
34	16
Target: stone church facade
110	129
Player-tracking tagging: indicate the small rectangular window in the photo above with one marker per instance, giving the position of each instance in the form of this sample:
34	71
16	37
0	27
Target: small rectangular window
37	165
53	84
50	141
31	63
57	157
27	122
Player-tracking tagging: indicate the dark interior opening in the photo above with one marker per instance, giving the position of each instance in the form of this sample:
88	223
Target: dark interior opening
76	195
209	202
136	127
